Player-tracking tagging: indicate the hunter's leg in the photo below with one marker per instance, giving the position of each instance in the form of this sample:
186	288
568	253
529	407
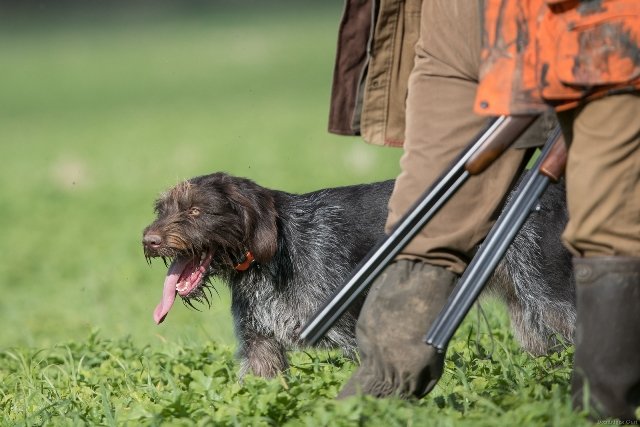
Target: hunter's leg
440	123
603	197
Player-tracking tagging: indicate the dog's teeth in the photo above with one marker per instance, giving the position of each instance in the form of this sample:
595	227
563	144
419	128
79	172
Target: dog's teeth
202	256
182	286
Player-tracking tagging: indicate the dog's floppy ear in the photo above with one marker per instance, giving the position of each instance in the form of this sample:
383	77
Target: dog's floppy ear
257	208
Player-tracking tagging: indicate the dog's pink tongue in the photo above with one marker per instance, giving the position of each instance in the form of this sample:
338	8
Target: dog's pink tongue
169	291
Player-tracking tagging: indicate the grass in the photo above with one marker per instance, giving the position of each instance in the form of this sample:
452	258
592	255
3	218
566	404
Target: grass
120	382
97	117
97	120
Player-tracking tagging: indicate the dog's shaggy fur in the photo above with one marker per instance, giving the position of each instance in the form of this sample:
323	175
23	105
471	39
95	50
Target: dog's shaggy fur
306	245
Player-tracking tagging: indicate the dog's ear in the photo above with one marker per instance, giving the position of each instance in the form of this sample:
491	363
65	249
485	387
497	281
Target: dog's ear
259	215
264	241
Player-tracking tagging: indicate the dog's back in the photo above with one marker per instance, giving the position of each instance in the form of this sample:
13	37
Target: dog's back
360	211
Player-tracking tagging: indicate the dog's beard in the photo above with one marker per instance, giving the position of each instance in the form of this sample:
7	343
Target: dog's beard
184	277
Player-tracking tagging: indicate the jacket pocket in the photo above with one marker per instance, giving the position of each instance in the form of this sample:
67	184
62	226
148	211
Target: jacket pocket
599	47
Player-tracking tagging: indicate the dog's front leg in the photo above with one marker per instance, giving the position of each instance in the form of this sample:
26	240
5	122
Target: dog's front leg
263	356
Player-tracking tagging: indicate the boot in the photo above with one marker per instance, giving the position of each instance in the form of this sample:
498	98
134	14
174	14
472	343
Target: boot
399	308
607	357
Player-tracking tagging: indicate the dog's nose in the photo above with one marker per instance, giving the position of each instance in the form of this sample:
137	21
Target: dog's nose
152	240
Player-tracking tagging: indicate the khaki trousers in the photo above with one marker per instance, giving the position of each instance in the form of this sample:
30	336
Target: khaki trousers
603	177
603	169
440	123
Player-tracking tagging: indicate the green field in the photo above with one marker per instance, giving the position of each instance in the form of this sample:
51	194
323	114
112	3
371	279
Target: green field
97	117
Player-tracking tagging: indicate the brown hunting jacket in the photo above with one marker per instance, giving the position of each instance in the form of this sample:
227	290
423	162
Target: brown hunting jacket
373	61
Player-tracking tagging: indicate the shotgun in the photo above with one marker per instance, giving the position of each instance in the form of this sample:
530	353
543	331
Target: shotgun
548	167
498	135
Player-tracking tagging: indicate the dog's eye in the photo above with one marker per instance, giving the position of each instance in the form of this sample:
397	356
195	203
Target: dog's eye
194	211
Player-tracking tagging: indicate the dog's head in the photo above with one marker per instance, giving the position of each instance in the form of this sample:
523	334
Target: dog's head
206	226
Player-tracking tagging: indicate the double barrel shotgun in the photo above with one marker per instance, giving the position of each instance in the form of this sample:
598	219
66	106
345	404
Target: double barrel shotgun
497	136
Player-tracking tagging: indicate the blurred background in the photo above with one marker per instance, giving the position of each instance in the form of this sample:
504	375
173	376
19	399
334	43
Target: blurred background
105	104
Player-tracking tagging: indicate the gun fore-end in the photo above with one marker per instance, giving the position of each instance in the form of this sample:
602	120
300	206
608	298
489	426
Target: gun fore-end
498	143
554	165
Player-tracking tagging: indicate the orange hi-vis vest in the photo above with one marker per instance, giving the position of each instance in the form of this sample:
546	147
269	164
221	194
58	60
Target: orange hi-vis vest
557	53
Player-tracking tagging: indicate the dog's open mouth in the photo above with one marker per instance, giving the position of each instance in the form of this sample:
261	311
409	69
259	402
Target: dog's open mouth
184	275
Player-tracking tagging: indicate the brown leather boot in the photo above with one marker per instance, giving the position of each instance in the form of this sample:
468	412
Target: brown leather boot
399	308
607	358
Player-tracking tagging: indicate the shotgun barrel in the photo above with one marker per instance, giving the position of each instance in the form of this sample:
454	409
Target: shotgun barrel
549	166
497	136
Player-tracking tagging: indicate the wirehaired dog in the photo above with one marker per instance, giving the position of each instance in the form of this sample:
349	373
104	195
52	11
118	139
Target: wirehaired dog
282	255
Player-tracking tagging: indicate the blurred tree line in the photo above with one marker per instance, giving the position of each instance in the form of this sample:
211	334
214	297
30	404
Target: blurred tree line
119	8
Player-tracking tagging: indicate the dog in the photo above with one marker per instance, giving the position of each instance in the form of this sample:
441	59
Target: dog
282	255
